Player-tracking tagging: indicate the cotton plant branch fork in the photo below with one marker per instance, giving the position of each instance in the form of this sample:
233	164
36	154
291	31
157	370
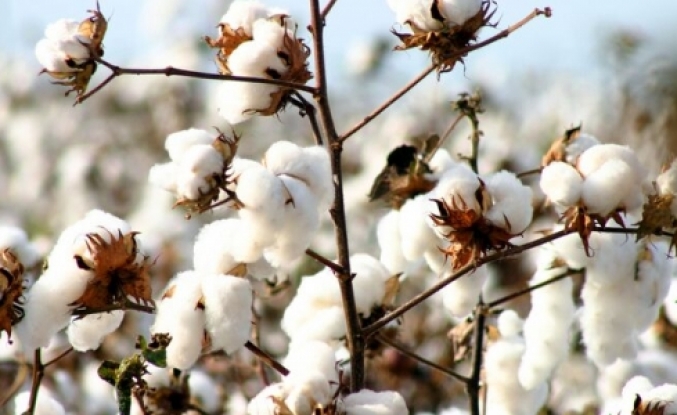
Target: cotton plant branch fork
354	335
39	374
547	12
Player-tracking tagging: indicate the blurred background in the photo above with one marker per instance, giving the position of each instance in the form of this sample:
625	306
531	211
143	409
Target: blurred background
610	67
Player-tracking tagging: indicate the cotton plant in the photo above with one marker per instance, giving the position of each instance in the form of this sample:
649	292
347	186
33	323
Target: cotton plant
316	312
255	41
440	26
96	263
604	182
198	171
68	50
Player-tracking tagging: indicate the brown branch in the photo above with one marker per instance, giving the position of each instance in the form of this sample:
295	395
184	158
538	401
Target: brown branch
266	358
404	351
256	340
327	8
474	384
127	305
527	290
416	300
59	357
324	261
306	109
172	71
445	135
529	172
354	336
461	53
390	101
38	374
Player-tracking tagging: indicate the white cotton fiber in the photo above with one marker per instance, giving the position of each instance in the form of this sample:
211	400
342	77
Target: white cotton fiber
180	315
314	356
243	13
178	143
88	332
561	183
213	249
416	235
389	240
512	208
607	186
228	311
367	402
164	176
460	297
457	12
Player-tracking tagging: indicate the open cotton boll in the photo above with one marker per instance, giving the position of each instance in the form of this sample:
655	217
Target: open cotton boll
367	402
254	58
369	282
390	242
212	252
605	188
458	12
310	165
260	189
576	147
179	314
301	220
512	208
205	389
87	333
202	160
164	176
509	323
45	403
460	297
270	32
228	311
561	183
243	13
304	321
312	355
17	241
178	143
440	163
570	249
416	234
458	185
238	101
416	13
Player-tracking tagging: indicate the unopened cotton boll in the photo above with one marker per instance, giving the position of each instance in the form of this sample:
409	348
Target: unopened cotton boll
367	402
88	332
458	12
511	209
561	183
179	315
45	403
228	311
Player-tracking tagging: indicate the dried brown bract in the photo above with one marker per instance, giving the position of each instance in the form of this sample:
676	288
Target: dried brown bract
557	150
405	174
218	182
471	236
11	291
656	216
641	407
445	44
118	273
583	223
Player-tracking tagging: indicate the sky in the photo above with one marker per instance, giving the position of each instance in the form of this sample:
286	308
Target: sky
566	42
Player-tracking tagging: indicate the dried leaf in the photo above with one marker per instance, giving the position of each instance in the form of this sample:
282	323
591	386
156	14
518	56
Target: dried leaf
117	275
461	336
392	288
656	215
557	151
11	291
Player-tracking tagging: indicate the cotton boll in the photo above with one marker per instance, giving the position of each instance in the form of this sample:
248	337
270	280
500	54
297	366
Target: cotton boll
369	282
179	314
270	32
460	297
312	356
243	13
576	147
606	187
212	252
303	321
458	12
164	176
44	405
301	220
509	323
441	162
512	208
570	249
263	403
255	58
178	143
205	389
416	13
88	332
310	165
306	390
561	183
202	160
388	236
416	235
239	101
457	185
228	311
17	241
367	402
